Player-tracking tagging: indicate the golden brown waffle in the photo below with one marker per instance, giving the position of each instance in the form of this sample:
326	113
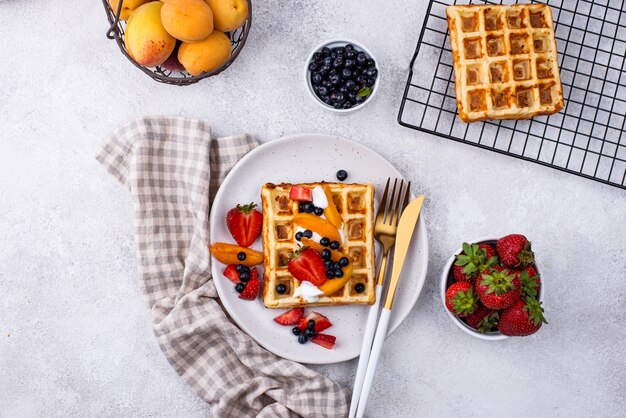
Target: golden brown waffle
505	61
355	203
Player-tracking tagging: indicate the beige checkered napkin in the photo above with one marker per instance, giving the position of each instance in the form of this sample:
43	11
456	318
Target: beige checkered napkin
173	168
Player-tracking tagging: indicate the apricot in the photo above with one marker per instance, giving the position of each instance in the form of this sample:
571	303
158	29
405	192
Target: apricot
147	41
227	254
331	212
128	7
187	20
206	55
317	224
228	15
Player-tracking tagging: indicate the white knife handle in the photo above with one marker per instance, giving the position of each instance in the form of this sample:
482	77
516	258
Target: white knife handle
377	346
372	316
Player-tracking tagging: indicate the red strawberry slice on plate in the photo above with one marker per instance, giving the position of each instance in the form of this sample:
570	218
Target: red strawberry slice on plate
307	265
324	340
252	287
290	317
301	194
244	223
231	273
321	322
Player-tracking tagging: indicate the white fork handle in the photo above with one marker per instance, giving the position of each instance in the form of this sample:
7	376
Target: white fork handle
372	316
377	346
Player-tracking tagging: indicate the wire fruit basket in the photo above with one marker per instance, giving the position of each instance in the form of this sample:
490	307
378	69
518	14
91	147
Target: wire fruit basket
237	38
587	138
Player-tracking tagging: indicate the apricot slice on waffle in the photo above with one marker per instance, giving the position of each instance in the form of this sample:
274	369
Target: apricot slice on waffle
227	254
317	224
332	286
334	255
331	213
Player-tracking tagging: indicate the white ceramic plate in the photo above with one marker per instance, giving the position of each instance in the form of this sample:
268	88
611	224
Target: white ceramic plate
308	158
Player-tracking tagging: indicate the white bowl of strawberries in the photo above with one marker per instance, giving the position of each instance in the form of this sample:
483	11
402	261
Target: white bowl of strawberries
492	289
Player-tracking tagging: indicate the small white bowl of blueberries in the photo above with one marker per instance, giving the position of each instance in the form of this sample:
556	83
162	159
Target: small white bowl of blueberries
341	76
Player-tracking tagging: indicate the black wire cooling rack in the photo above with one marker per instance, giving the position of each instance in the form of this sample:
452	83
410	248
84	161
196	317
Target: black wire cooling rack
586	138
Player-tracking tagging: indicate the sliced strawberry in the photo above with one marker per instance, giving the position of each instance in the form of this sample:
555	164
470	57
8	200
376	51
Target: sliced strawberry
291	317
252	287
321	322
307	265
231	273
301	194
325	340
244	223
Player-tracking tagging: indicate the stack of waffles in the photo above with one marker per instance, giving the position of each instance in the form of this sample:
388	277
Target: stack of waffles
505	61
355	204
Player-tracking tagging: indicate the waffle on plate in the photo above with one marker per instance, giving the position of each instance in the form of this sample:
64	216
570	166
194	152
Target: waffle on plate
355	204
505	61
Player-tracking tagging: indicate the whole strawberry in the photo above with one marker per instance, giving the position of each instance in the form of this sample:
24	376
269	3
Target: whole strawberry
244	223
514	251
472	260
499	287
531	282
461	299
523	318
483	319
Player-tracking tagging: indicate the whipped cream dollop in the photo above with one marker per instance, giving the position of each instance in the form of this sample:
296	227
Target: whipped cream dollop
319	197
308	292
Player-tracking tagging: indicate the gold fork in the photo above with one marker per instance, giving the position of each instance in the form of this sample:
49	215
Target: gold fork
385	229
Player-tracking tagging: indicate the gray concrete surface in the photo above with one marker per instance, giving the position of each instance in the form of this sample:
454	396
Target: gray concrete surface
75	338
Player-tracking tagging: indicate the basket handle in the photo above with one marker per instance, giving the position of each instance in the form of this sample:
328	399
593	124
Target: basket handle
113	27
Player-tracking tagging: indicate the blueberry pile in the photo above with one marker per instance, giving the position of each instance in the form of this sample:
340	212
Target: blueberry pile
342	77
308	207
333	268
244	277
309	332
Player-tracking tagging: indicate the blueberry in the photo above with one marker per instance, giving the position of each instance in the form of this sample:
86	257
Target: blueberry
308	208
349	63
352	97
334	79
302	339
347	104
338	63
307	233
334	245
350	84
346	73
337	105
333	96
359	288
370	63
310	324
348	47
324	69
328	61
325	51
313	66
360	99
316	78
317	56
326	83
370	82
343	90
325	241
298	235
309	333
244	277
338	273
344	261
326	100
328	264
330	274
336	266
296	331
333	55
241	256
357	72
325	254
240	287
342	175
371	72
318	211
242	269
361	58
322	91
281	289
337	50
362	79
340	98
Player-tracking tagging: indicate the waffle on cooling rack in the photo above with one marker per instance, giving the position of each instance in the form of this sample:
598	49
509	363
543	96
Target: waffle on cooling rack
355	204
505	61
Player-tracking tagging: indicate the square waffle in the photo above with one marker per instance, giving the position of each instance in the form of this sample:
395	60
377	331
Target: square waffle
505	61
355	203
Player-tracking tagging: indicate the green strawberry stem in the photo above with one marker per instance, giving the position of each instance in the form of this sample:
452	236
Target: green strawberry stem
499	282
535	311
465	302
473	259
246	208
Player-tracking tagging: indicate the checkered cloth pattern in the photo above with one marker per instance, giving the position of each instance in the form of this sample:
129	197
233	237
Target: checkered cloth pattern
173	168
